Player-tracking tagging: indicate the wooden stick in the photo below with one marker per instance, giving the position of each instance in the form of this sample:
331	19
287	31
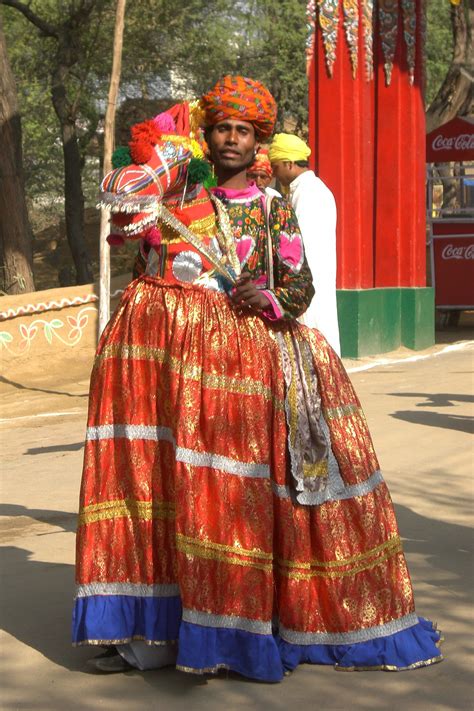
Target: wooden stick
109	140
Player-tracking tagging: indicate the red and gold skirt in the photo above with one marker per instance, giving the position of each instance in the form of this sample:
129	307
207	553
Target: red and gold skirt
189	529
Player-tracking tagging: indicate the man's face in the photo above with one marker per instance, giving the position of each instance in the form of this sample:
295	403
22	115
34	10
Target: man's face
261	179
232	145
283	172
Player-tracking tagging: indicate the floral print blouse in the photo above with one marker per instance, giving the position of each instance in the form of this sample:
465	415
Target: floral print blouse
293	285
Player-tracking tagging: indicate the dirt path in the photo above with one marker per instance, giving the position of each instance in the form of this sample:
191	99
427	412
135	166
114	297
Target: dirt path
418	413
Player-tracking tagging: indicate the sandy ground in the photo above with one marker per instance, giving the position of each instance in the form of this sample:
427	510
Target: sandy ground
419	416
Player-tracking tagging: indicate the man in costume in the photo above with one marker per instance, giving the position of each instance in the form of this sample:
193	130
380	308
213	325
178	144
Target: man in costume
315	209
233	514
234	128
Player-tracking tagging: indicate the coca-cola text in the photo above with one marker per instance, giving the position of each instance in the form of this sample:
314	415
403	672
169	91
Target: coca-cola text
464	142
451	252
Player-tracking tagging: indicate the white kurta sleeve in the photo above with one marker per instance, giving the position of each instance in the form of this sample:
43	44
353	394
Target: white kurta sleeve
315	209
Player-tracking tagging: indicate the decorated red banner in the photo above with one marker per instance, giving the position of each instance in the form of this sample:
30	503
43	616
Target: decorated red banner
454	141
453	261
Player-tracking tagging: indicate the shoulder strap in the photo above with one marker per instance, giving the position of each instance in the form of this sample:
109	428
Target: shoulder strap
270	275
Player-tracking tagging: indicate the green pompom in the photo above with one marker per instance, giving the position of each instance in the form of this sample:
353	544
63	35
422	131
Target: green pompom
198	170
210	182
121	157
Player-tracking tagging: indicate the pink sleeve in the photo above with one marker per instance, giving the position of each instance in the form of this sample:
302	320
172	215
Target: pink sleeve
274	311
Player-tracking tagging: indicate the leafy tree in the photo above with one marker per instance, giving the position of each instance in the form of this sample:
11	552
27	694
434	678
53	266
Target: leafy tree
15	232
454	95
272	49
60	51
70	33
439	46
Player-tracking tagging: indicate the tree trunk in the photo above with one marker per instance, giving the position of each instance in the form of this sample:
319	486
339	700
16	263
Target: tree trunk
451	192
74	203
16	251
455	95
73	195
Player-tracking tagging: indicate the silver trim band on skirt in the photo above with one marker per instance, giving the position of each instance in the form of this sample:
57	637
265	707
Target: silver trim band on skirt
362	635
206	619
184	455
131	589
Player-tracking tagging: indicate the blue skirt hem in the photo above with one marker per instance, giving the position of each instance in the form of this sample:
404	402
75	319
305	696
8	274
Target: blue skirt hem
117	619
410	648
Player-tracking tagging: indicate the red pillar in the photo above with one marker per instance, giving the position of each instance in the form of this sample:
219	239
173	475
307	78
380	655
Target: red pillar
368	143
342	141
399	238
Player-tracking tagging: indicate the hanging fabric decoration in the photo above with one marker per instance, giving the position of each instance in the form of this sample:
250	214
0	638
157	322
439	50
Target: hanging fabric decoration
351	27
311	33
371	18
388	29
409	34
367	8
328	15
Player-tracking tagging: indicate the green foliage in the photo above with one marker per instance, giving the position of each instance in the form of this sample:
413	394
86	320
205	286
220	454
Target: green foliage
172	50
439	46
272	49
42	152
32	56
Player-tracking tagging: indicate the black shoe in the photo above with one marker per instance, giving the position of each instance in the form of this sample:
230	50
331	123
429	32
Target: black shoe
109	662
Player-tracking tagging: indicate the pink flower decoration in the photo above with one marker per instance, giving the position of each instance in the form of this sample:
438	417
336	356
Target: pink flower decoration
165	122
115	240
153	237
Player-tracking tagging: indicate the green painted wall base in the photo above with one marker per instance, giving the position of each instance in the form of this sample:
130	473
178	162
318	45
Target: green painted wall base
380	320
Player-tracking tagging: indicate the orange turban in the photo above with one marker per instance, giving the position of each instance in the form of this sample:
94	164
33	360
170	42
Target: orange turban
240	98
262	164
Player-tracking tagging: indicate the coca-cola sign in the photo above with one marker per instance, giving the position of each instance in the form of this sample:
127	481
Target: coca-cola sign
456	252
464	142
454	141
453	263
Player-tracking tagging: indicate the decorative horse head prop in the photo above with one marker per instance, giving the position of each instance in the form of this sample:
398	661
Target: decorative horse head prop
158	186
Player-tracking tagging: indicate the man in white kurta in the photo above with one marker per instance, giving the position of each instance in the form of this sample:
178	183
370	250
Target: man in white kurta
315	209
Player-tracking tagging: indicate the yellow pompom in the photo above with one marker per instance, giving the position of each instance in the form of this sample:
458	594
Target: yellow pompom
196	149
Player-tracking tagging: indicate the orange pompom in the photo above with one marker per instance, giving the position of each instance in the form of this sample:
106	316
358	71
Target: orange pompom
141	151
146	131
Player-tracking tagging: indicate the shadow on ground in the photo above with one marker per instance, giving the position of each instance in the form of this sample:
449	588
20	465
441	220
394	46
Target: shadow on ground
464	331
65	520
460	423
37	601
20	386
437	399
73	447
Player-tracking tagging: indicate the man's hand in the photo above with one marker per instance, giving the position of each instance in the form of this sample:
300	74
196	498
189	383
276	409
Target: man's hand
246	295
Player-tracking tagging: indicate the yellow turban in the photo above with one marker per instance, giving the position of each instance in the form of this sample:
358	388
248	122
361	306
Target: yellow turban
286	146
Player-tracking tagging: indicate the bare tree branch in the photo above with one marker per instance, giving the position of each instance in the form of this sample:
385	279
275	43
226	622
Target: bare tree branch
46	28
456	92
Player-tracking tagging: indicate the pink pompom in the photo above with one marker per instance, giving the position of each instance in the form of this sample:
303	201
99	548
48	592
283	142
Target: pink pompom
165	122
115	240
153	237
